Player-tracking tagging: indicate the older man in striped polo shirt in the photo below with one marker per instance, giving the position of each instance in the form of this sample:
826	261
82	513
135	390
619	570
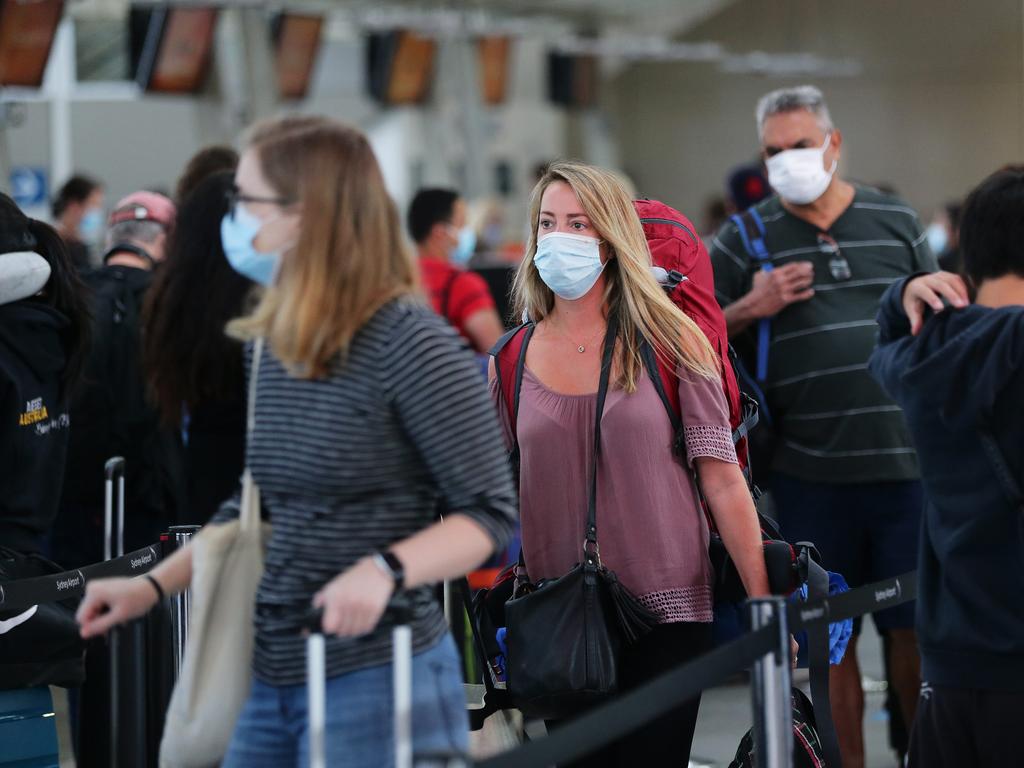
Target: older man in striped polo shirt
844	472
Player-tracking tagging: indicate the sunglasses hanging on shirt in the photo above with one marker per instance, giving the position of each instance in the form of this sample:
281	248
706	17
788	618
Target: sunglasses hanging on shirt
837	263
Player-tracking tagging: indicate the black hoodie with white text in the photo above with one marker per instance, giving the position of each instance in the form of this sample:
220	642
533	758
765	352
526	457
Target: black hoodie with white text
34	423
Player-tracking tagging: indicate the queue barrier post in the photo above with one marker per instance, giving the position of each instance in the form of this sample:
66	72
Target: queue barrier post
180	605
770	687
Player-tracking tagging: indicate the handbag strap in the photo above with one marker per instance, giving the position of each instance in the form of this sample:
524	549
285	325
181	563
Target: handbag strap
591	552
249	512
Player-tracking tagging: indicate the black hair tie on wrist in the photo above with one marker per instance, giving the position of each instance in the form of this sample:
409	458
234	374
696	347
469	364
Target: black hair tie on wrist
156	585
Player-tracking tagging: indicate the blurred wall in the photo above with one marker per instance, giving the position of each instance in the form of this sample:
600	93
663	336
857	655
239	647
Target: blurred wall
144	142
939	105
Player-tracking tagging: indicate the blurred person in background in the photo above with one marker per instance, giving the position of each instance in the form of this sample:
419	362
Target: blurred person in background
716	211
110	411
78	212
370	416
192	368
445	244
957	369
205	162
944	236
44	339
844	471
748	186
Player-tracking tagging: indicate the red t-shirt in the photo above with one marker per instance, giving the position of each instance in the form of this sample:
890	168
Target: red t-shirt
455	294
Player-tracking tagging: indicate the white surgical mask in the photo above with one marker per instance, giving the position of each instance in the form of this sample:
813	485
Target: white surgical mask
799	175
568	264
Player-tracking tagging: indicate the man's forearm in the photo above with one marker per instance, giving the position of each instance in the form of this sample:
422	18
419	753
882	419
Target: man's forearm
740	315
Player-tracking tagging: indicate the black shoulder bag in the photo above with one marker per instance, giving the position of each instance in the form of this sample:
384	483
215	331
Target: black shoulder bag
565	635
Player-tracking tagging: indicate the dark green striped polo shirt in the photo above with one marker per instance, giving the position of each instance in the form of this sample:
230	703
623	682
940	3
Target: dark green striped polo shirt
835	424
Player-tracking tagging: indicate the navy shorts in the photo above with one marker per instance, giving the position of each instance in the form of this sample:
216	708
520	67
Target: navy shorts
864	531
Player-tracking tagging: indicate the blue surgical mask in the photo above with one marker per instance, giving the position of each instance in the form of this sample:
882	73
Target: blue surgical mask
938	238
465	248
568	264
91	226
237	232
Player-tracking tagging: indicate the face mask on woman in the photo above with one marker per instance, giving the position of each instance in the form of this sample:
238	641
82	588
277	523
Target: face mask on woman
568	264
91	226
237	232
799	175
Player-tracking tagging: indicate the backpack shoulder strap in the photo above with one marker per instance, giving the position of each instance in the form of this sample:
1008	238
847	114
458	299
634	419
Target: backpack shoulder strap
752	233
509	355
666	385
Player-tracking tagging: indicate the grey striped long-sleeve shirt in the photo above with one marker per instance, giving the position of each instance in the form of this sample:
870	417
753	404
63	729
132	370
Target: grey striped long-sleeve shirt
353	462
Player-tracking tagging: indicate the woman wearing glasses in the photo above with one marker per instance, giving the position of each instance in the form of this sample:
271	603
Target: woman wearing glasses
370	419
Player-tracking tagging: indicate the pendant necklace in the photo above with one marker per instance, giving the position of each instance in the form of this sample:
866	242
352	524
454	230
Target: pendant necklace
581	348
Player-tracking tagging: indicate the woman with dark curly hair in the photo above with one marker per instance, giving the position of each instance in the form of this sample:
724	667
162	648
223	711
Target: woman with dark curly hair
194	371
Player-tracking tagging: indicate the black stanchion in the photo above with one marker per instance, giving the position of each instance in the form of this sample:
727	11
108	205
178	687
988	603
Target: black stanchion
181	603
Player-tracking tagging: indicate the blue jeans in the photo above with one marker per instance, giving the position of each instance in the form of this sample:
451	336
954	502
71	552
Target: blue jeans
272	727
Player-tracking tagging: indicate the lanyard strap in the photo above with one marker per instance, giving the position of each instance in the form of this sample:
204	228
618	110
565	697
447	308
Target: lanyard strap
590	549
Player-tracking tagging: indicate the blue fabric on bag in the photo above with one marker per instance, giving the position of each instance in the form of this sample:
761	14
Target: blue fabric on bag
503	644
839	632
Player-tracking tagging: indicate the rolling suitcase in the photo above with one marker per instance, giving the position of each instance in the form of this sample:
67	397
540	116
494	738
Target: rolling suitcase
401	662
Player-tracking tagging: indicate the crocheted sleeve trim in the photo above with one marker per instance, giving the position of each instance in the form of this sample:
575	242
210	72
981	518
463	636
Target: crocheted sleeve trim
710	440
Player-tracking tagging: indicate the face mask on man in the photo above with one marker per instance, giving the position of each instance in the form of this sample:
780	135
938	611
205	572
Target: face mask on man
465	247
91	226
568	264
237	232
799	175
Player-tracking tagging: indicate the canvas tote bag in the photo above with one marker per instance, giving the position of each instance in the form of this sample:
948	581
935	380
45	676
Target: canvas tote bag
227	564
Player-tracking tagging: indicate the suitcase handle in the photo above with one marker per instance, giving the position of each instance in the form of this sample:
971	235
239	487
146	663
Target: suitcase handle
398	612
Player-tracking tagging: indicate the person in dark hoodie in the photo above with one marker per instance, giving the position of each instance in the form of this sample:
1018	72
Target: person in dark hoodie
111	411
44	334
957	370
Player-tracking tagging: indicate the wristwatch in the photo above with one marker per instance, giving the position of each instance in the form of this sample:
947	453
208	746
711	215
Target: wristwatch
392	566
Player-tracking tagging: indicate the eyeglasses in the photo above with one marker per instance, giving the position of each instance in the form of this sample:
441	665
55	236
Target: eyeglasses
837	263
234	197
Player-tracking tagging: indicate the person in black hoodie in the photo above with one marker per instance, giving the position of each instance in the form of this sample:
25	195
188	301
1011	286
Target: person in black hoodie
957	370
111	410
44	335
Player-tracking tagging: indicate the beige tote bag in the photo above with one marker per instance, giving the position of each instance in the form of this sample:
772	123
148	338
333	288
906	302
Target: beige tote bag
216	673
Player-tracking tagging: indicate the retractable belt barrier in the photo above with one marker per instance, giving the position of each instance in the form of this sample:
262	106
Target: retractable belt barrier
24	593
594	729
626	713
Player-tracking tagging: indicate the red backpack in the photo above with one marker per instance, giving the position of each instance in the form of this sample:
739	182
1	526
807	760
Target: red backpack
683	267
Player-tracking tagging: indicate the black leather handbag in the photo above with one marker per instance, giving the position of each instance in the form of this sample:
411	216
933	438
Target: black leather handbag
565	635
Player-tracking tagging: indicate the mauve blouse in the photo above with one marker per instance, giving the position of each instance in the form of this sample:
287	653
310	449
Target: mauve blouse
650	527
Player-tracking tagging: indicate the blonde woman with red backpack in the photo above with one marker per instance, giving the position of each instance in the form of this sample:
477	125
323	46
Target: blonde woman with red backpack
587	287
